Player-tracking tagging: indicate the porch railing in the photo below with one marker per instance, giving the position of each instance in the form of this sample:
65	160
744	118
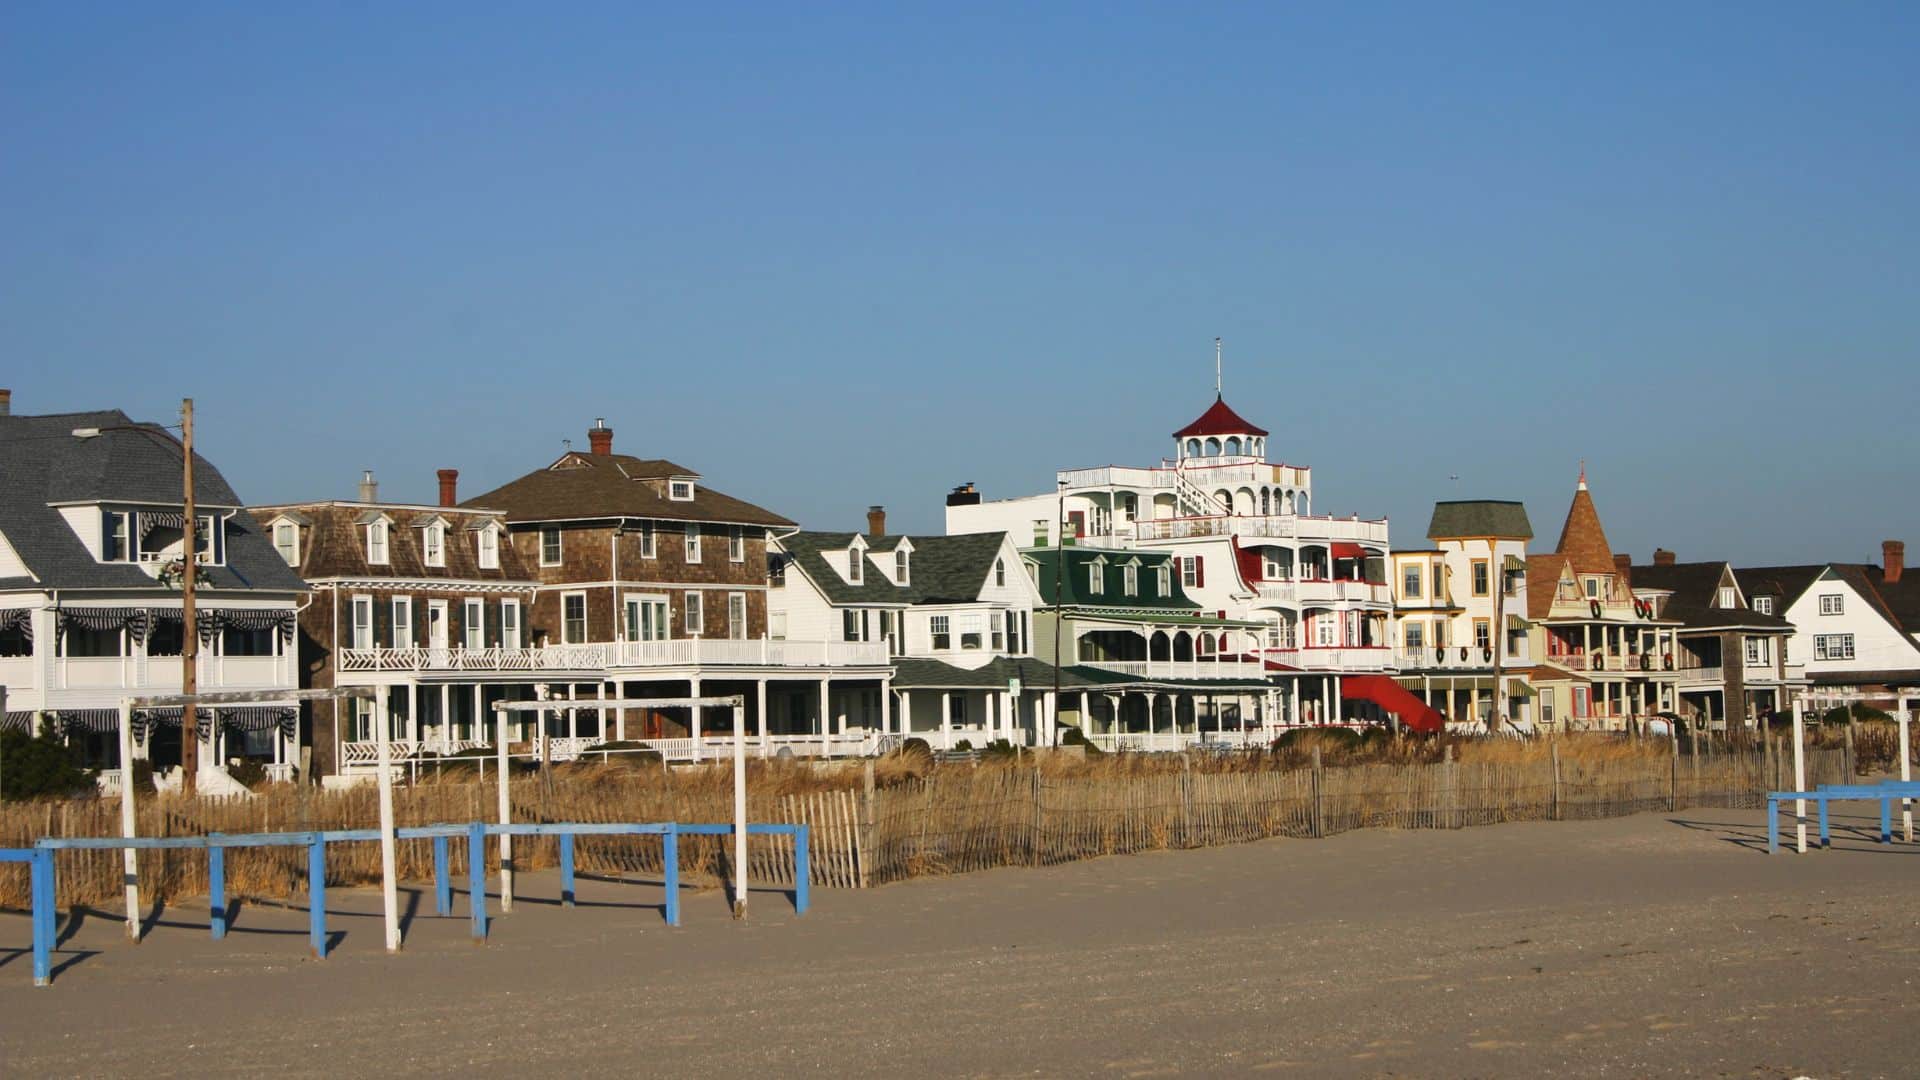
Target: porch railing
538	658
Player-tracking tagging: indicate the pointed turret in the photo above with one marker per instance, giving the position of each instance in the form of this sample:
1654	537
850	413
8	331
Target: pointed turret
1582	540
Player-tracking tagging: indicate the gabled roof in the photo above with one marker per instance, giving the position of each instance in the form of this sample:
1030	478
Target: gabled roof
1219	419
1786	582
1073	588
942	569
1498	518
43	463
586	486
1902	597
1582	540
1543	583
1695	589
1890	602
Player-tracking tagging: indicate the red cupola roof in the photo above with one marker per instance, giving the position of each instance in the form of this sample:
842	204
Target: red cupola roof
1219	420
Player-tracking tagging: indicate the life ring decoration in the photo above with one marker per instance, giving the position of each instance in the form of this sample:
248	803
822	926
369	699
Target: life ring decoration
1486	653
1463	652
1594	606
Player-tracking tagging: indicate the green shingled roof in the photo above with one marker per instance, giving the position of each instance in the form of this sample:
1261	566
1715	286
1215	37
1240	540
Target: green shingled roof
1074	591
1499	518
942	569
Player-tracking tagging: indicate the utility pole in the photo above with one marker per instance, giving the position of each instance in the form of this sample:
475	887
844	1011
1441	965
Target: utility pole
1498	638
189	618
1059	618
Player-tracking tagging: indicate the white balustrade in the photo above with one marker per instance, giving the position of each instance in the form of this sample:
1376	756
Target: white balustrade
1181	669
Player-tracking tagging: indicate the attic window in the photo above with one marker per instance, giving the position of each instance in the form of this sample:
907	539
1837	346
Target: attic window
377	543
489	541
1163	580
433	544
1763	604
901	566
1000	572
1726	596
114	529
1130	579
856	563
680	490
286	541
1096	579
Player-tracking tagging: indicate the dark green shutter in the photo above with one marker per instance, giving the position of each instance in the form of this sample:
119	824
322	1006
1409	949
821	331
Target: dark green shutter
455	633
383	623
492	612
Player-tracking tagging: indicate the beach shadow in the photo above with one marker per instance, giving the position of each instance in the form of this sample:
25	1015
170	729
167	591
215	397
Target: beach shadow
1864	838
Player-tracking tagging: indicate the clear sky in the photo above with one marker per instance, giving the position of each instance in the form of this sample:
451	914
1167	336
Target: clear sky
858	255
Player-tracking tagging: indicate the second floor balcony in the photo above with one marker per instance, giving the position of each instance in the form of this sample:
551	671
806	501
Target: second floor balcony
1227	668
1335	658
600	656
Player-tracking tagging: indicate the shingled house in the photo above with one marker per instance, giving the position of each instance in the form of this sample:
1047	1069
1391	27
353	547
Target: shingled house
669	576
92	523
1856	625
1731	666
430	602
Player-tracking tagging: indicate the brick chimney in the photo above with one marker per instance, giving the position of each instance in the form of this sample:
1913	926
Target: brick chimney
369	487
6	403
600	437
1623	562
1893	557
876	521
449	484
1662	557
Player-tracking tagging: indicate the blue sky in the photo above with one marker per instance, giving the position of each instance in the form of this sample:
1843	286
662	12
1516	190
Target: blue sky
832	258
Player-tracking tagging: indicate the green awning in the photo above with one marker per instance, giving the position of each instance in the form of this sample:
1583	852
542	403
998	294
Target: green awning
1515	564
1520	689
1516	624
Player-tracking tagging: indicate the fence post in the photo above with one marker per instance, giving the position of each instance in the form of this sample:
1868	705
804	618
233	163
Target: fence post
1449	787
801	872
442	887
866	824
566	869
45	899
1554	811
1186	801
477	879
1039	822
1673	774
1847	760
1319	796
670	867
317	896
216	887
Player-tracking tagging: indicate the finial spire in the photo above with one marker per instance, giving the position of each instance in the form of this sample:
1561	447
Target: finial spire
1216	367
1583	474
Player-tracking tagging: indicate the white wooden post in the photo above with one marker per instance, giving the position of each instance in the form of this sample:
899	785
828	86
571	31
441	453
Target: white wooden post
693	720
826	724
740	809
389	894
1906	767
129	823
760	703
1799	772
506	810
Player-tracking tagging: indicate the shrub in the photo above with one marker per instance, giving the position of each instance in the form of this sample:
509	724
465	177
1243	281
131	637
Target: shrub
248	773
37	766
1073	736
999	748
963	744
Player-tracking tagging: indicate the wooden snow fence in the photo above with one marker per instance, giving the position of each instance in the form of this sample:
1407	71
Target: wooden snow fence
954	819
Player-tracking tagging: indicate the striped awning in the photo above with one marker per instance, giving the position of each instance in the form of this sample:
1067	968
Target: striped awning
213	620
161	519
20	619
100	720
17	721
132	619
242	718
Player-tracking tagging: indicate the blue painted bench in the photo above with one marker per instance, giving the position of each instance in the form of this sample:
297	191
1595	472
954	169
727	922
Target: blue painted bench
1885	793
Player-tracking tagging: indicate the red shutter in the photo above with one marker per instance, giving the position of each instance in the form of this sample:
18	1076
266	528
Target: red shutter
1199	571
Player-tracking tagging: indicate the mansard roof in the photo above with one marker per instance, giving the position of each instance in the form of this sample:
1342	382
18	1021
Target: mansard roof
43	464
1502	519
1219	419
333	542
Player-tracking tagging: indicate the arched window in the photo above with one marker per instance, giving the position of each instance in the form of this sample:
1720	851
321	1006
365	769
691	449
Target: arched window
1193	447
1213	447
1266	507
1225	499
1300	503
1233	446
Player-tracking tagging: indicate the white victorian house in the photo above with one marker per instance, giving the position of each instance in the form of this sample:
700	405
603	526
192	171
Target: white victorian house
91	532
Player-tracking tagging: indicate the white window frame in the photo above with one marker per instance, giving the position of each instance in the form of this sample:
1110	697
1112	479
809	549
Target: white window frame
510	637
680	490
736	544
1096	579
648	617
737	616
649	542
694	614
997	630
1727	598
940	626
402	628
1833	647
1189	572
692	542
1763	604
473	632
856	566
433	545
117	527
559	545
379	541
1130	580
1757	651
566	621
1000	573
902	566
1413	635
288	551
1833	604
487	547
1163	580
360	632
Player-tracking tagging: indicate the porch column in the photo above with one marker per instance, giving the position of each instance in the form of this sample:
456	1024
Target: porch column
612	690
446	704
946	719
1337	702
760	700
1049	725
693	721
826	731
886	706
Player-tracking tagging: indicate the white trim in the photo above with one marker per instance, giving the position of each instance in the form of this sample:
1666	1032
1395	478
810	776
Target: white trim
586	624
635	582
560	545
393	616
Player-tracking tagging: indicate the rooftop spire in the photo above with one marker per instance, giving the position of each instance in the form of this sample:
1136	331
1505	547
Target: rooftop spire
1582	486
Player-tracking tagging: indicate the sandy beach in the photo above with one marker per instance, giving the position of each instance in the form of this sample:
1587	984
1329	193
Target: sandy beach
1661	944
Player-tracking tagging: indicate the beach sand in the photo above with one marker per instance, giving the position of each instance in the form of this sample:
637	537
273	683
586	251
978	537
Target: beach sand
1661	944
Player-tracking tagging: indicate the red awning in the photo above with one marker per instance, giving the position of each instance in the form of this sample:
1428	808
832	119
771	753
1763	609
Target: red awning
1415	714
1345	550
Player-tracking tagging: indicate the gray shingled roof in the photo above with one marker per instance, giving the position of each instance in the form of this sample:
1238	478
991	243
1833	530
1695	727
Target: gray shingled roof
942	569
1695	588
42	463
1074	589
1500	518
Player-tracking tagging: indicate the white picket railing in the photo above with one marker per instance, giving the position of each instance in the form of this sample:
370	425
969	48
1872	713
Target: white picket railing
1181	669
540	658
752	652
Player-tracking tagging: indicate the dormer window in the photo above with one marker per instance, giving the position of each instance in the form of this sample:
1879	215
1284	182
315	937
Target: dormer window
1130	579
114	546
1763	604
286	541
901	566
377	543
680	490
489	541
433	544
1096	577
856	565
1163	580
1593	588
1726	596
